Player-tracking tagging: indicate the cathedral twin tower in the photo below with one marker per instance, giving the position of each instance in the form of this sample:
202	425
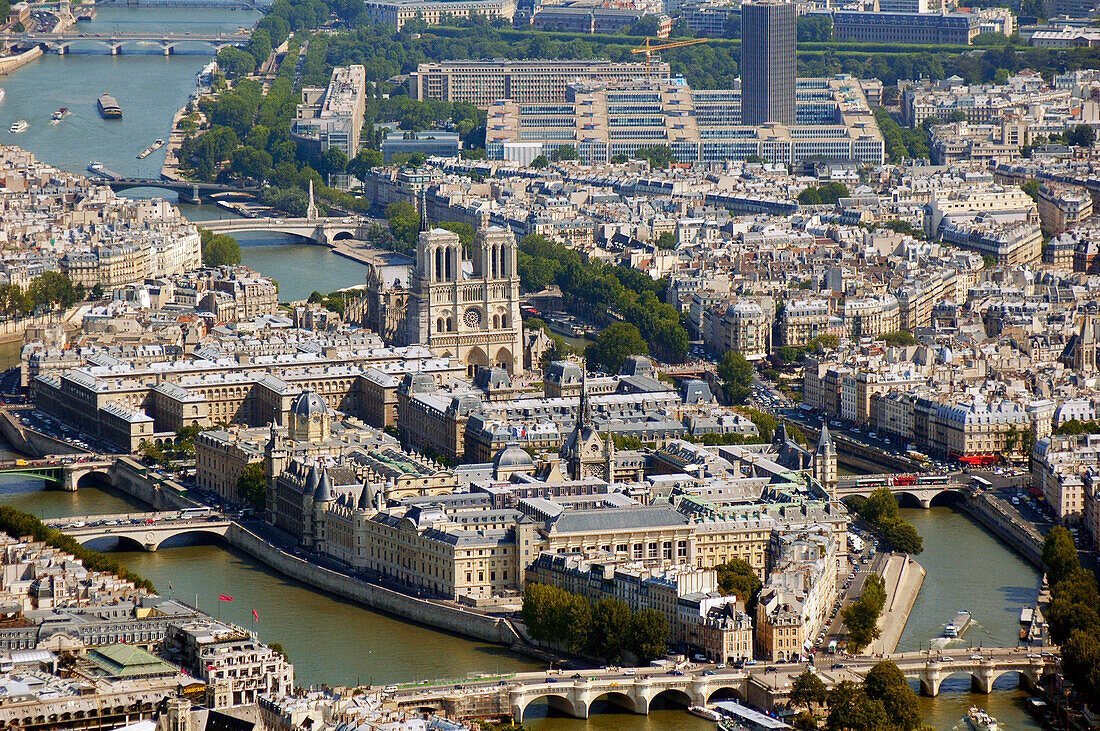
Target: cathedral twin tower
463	305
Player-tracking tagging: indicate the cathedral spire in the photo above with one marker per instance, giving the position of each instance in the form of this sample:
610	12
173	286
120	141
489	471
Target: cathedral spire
584	412
423	201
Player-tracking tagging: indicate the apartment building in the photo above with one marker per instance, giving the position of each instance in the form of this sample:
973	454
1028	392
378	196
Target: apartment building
604	119
523	81
236	667
435	12
864	26
333	116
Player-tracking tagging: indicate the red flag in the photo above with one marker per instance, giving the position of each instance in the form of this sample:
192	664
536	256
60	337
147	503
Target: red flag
210	667
224	598
255	615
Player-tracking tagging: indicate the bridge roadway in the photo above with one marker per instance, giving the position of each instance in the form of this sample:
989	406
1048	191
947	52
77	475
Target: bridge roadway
765	686
61	42
921	486
188	191
65	472
320	230
147	530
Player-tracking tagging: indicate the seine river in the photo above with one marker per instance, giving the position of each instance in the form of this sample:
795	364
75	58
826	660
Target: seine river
327	639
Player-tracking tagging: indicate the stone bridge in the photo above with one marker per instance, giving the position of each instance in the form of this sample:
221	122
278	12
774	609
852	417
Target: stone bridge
920	487
146	530
65	472
317	230
766	686
61	43
188	191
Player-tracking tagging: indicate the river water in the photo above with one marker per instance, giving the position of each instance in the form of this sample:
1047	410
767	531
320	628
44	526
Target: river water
330	640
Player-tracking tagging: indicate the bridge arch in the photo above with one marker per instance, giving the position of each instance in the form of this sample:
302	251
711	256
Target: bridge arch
947	499
725	693
343	236
558	704
96	475
110	542
908	500
186	538
670	698
613	700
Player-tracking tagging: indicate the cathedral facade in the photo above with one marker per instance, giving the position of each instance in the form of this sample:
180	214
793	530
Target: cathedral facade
463	305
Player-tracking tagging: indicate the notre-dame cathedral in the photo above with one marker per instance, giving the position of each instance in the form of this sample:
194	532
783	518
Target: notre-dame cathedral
464	307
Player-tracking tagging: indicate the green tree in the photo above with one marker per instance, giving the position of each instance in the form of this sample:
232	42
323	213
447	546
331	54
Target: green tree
810	197
667	240
808	690
1080	136
609	634
219	249
52	290
540	162
736	373
881	506
252	485
648	635
903	537
364	160
1059	555
886	683
404	224
738	578
1031	187
659	156
614	344
861	617
851	710
565	152
464	230
1081	664
250	162
898	338
234	62
333	161
619	159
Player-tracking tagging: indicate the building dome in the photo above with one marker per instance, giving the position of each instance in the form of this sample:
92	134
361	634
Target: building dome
307	404
513	457
309	419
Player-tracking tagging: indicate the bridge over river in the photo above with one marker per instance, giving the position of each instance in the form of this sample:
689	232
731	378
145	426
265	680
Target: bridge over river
146	530
65	472
765	686
168	43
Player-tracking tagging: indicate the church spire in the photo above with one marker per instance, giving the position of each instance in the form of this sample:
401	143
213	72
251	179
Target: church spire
584	411
423	201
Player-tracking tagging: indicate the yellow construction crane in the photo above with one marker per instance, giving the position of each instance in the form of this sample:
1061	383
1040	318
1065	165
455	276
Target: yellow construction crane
649	50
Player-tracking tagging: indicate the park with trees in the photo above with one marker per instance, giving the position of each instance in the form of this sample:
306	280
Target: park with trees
880	510
606	629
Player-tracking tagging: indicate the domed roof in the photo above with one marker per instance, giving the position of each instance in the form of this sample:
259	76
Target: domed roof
307	404
513	456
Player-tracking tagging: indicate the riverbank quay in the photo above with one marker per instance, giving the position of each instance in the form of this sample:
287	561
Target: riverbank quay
903	578
998	517
19	60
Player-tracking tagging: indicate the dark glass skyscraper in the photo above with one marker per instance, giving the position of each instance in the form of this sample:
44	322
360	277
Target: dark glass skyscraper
768	33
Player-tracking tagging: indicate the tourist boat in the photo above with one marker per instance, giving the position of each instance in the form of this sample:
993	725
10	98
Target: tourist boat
704	712
979	720
2	94
17	127
59	114
108	107
150	149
